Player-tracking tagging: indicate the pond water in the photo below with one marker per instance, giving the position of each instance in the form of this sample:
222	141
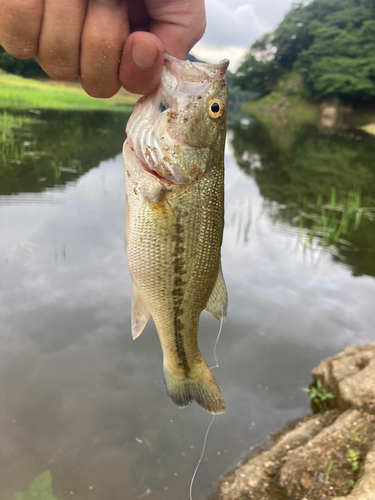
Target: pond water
78	396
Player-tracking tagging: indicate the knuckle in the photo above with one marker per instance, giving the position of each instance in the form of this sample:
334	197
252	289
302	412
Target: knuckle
62	72
104	43
57	66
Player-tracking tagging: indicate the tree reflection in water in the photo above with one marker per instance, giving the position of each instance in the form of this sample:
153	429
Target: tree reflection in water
295	168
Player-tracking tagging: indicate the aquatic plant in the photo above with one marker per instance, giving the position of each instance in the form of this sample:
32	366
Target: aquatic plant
39	489
240	221
11	149
326	224
56	167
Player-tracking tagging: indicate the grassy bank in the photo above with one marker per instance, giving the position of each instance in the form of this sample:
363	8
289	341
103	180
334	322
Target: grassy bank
284	104
25	93
285	107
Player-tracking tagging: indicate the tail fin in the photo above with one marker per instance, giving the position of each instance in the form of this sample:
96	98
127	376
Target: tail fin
199	385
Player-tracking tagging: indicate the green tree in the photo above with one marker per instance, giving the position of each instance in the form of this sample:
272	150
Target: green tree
260	66
330	43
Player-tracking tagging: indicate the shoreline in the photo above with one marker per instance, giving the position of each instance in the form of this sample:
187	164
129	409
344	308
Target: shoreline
21	93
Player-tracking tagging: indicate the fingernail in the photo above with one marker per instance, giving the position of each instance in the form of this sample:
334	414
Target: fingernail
144	53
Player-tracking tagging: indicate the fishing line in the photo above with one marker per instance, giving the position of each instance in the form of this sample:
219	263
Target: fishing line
200	458
217	340
213	416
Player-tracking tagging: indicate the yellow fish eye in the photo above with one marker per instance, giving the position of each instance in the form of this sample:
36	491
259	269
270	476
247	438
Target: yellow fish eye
215	108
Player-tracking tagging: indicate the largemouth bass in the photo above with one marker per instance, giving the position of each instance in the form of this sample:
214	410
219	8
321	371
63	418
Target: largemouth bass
174	177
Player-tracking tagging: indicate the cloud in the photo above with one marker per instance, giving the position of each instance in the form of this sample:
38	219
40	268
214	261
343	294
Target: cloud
233	25
213	54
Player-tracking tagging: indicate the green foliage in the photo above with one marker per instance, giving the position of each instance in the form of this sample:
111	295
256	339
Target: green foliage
318	394
330	43
340	61
354	457
39	489
260	71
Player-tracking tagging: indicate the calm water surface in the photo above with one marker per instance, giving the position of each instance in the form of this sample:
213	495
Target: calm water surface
78	396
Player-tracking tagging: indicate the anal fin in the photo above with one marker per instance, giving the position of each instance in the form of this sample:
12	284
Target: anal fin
217	304
139	315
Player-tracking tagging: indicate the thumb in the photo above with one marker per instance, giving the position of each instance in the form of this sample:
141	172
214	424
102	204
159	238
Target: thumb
141	63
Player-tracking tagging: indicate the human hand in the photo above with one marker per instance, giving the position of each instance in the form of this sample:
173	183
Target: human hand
106	43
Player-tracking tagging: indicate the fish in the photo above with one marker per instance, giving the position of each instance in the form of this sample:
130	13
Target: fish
174	181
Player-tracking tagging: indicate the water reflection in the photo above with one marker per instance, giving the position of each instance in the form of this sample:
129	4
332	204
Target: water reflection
41	151
77	396
295	168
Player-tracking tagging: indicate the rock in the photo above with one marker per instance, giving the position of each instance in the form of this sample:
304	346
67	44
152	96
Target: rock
329	455
329	116
365	487
333	113
350	376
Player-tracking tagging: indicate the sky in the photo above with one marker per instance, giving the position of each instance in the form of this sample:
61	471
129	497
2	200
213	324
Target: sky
233	25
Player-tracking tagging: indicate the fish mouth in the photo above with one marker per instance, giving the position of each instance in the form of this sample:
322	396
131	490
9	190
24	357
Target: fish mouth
187	77
163	148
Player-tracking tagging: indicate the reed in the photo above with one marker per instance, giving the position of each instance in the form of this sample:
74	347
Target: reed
327	224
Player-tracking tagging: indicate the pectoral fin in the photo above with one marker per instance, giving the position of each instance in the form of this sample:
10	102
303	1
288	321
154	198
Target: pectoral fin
139	315
217	304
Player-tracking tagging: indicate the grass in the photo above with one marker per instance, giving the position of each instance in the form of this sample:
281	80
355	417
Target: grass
25	93
284	104
8	147
328	471
318	394
329	223
354	457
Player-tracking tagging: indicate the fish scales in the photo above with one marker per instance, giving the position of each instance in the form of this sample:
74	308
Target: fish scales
174	236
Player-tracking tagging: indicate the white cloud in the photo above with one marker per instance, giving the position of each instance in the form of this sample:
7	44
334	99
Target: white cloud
233	25
213	54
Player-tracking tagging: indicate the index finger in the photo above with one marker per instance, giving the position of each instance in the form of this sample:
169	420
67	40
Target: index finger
20	24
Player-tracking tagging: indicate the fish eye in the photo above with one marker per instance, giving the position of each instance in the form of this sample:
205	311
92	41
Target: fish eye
215	108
